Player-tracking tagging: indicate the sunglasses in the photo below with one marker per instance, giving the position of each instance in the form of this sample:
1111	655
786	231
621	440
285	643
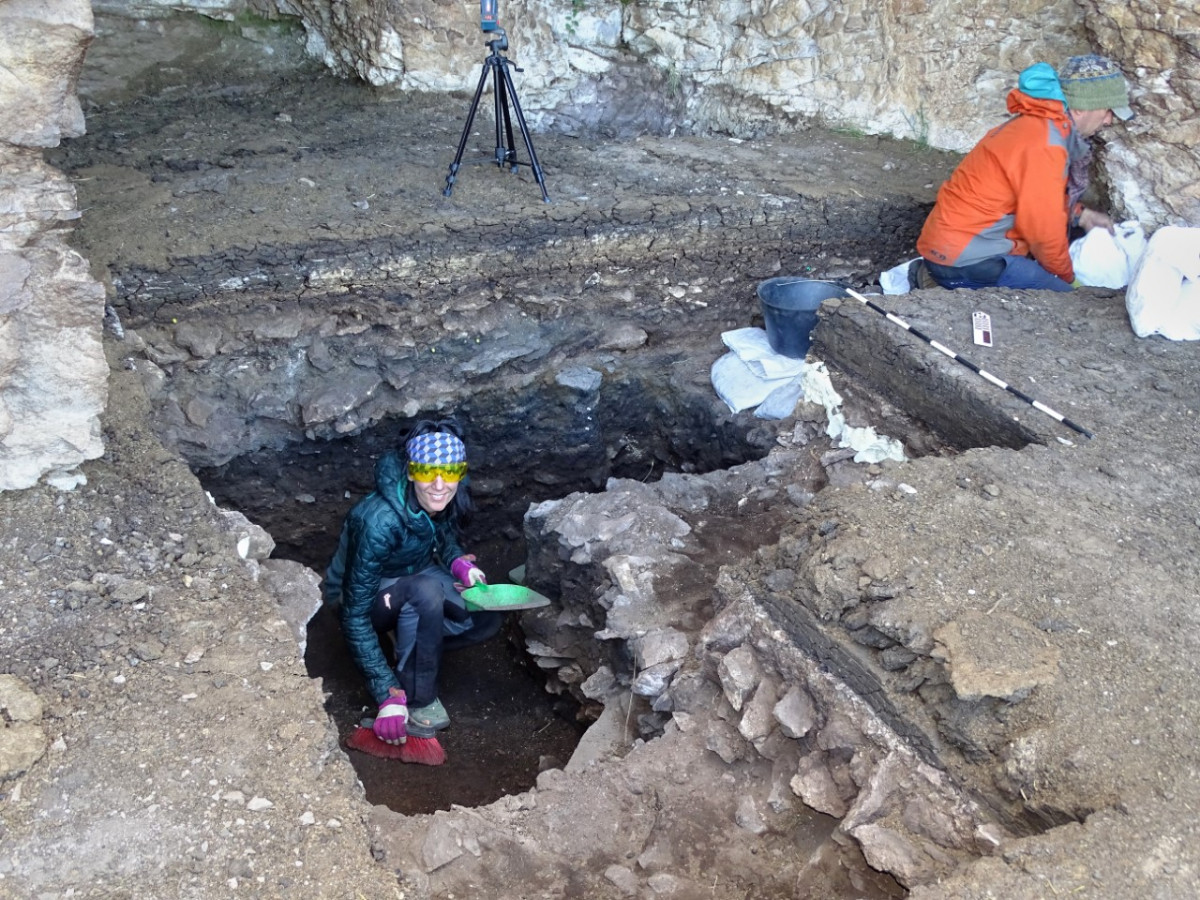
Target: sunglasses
451	473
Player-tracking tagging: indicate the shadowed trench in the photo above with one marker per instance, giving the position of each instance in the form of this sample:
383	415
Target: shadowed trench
506	727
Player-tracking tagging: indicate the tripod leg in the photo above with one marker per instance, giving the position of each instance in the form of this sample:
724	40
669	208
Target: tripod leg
462	143
516	105
511	156
504	150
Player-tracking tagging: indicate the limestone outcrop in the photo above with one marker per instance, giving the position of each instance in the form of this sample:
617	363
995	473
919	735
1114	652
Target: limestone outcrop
41	54
53	375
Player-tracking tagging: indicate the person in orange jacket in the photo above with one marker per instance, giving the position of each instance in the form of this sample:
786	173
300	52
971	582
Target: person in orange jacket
1004	216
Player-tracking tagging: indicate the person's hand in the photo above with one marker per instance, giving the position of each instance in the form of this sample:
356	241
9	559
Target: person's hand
1092	218
466	573
391	724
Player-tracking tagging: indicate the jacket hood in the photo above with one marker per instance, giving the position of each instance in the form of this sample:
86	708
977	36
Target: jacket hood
1038	93
1021	104
391	481
1040	81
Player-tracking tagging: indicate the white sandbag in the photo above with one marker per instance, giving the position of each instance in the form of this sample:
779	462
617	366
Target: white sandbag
1164	292
739	385
895	280
752	374
1105	259
753	347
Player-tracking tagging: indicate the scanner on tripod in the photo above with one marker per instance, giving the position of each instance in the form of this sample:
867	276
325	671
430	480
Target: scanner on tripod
487	15
505	96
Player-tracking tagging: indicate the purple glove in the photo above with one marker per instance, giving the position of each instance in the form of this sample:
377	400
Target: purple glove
465	571
391	724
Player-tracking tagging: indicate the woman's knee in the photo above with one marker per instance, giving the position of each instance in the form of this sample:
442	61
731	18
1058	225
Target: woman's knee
484	625
426	593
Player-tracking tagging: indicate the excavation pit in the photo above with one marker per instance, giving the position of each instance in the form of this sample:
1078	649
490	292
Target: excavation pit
507	727
518	719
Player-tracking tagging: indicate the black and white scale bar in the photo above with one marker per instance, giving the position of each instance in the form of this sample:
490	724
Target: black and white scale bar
942	348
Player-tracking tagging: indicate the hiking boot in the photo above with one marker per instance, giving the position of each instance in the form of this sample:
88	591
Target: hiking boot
919	277
427	721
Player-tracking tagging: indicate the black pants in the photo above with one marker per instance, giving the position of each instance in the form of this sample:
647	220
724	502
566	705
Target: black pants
427	616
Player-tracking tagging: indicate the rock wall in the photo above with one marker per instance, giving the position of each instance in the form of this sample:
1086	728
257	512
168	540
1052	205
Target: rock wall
1153	164
53	375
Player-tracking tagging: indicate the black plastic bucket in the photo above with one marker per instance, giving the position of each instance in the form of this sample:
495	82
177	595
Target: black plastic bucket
789	308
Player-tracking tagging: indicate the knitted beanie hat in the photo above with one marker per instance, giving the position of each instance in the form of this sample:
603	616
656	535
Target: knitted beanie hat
1093	82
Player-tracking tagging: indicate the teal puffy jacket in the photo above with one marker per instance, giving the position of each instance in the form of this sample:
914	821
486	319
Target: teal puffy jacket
385	535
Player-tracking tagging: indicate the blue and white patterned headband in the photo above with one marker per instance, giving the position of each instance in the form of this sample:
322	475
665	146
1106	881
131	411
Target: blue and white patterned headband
436	448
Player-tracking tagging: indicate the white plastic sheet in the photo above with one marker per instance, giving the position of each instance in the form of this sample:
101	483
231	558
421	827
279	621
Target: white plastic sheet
753	347
1164	293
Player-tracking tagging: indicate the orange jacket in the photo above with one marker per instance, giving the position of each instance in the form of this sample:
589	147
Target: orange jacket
1009	194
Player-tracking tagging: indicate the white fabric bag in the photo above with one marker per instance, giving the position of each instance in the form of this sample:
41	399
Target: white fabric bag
1104	259
895	279
1164	293
751	372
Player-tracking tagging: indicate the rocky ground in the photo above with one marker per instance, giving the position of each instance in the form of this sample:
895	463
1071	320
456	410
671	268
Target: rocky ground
1005	618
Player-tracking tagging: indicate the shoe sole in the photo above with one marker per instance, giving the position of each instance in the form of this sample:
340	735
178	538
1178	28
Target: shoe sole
428	729
415	730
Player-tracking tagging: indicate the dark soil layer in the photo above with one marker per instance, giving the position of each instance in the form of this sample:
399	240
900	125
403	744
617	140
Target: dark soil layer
504	727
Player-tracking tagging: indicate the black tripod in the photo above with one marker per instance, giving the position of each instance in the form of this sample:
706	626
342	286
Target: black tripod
503	91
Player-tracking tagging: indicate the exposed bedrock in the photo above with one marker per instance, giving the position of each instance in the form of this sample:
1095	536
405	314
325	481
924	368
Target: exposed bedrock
53	376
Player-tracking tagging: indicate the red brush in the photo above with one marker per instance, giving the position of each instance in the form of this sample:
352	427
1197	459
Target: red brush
422	751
